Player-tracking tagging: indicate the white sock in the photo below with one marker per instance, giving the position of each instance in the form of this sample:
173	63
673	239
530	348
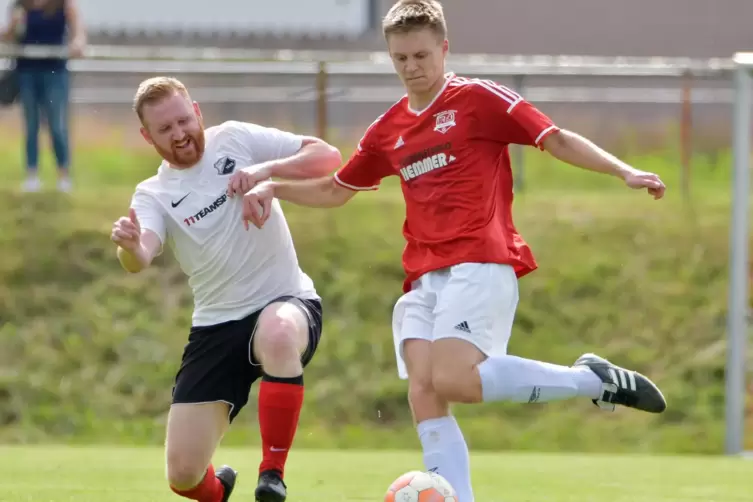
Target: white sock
511	378
446	453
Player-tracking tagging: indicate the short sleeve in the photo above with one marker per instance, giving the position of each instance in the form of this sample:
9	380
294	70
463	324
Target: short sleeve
507	117
150	213
367	166
265	143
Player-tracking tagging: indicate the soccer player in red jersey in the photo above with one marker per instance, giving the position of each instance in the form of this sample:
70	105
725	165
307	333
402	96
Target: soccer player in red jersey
447	140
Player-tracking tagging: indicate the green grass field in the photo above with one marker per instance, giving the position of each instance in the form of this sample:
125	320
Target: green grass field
64	474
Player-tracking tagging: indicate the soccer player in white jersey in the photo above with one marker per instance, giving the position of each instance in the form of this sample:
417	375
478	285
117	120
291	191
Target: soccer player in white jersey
447	140
256	314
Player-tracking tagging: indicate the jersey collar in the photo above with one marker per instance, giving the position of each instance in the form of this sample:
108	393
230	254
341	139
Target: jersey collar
167	173
447	78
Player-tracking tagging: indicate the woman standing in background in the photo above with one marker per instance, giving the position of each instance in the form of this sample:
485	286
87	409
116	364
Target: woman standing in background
44	83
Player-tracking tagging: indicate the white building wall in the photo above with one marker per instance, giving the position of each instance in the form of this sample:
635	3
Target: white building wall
294	17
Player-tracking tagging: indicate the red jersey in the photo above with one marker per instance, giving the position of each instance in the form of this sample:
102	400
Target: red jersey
454	167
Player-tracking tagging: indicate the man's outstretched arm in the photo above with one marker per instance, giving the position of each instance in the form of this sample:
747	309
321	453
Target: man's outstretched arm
319	192
362	172
313	159
507	117
574	149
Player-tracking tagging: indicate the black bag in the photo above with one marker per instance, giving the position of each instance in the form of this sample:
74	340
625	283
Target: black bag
9	87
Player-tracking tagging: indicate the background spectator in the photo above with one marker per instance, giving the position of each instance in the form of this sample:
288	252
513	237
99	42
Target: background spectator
44	83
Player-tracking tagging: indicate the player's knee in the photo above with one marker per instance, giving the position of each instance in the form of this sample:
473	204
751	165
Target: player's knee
276	341
183	472
453	384
453	370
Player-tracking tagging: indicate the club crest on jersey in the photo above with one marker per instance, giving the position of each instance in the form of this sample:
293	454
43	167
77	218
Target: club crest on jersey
225	166
445	121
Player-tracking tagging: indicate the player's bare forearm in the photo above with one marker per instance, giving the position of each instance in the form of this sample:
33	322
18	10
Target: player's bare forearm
578	151
319	192
316	158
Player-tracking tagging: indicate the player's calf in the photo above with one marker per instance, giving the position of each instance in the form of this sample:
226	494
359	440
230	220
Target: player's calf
193	431
442	441
462	373
279	342
425	403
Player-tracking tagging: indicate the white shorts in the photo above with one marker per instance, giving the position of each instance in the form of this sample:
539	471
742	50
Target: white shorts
475	302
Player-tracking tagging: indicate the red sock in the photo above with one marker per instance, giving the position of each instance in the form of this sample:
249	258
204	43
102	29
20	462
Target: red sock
280	401
209	490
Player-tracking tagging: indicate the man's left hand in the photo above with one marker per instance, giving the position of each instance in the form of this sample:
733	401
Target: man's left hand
650	181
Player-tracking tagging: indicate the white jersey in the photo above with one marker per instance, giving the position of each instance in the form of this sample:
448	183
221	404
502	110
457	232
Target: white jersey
232	271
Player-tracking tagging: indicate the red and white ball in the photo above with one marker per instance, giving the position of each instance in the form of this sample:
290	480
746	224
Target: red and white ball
418	486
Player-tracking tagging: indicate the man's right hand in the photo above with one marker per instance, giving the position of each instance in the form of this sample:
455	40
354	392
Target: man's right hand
126	233
257	204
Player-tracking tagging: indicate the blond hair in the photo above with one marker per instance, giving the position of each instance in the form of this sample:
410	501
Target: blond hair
156	89
412	15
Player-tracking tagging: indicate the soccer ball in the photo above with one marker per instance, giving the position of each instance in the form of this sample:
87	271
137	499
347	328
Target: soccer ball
417	486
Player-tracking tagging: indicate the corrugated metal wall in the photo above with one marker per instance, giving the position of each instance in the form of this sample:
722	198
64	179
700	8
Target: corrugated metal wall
696	28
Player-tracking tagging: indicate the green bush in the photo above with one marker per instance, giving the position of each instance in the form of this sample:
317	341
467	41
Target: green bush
89	352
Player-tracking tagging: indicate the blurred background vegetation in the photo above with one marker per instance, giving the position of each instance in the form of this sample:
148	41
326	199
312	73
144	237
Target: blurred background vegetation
89	352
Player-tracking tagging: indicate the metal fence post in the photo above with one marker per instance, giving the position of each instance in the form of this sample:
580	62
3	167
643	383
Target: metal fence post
737	315
321	100
686	133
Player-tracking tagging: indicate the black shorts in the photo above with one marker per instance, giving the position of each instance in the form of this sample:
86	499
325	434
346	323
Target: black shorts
219	365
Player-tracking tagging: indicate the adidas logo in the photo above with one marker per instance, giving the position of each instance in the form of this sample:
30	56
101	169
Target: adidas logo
399	143
535	395
463	326
622	378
